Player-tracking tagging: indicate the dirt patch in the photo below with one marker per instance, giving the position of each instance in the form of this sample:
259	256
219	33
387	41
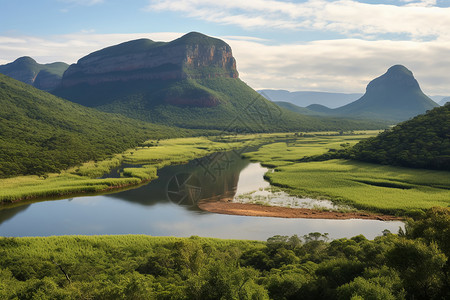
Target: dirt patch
243	209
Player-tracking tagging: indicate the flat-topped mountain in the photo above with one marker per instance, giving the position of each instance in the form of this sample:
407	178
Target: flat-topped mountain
42	76
193	55
191	82
395	95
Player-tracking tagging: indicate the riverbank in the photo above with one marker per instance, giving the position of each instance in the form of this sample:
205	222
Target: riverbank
380	188
295	267
89	178
245	209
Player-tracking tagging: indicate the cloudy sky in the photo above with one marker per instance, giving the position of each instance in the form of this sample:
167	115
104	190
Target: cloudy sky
336	45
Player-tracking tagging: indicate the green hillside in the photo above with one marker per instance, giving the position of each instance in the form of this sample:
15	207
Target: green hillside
294	108
423	142
219	103
41	133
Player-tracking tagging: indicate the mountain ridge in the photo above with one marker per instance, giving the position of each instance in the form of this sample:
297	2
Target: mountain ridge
42	76
305	98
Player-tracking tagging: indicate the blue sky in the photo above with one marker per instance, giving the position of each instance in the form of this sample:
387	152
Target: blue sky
319	45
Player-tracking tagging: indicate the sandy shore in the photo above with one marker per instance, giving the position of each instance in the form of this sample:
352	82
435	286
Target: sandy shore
242	209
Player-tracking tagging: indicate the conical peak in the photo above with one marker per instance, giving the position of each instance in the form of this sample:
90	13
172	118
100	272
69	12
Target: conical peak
397	77
399	70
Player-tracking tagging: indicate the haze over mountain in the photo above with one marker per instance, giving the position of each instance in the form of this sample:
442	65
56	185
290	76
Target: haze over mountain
305	98
444	100
42	76
295	108
189	82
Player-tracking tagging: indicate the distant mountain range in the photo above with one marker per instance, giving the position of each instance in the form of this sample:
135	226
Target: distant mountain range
395	96
330	100
305	98
42	76
444	100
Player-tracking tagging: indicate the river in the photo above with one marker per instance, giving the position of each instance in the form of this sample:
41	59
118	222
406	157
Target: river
167	207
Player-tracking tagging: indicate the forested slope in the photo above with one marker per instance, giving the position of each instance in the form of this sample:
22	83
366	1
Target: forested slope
422	142
41	133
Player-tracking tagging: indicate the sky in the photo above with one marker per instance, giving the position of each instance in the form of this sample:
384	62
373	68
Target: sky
305	45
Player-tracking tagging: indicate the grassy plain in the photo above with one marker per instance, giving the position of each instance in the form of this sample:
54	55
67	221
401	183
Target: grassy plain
147	159
380	188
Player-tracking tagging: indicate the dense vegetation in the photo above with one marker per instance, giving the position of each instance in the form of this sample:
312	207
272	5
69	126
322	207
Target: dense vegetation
40	133
411	265
379	188
423	142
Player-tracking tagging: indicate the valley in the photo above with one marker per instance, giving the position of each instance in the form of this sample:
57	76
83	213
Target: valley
151	170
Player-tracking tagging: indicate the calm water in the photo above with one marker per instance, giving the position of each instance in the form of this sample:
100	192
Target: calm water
166	207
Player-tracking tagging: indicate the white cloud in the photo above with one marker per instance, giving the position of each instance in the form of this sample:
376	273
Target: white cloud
417	20
345	65
421	3
70	47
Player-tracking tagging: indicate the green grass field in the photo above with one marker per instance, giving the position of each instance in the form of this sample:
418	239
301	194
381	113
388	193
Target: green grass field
151	156
380	188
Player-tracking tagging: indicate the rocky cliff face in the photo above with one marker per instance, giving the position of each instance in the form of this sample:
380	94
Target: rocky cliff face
192	56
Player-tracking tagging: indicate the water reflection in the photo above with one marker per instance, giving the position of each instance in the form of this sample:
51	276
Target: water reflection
152	209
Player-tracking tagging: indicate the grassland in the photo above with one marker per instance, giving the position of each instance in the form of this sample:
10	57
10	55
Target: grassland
378	188
147	158
374	187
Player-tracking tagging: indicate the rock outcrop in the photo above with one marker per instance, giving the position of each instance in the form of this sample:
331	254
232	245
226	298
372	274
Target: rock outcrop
192	56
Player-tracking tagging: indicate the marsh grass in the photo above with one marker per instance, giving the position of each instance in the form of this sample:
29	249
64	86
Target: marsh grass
379	188
148	158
